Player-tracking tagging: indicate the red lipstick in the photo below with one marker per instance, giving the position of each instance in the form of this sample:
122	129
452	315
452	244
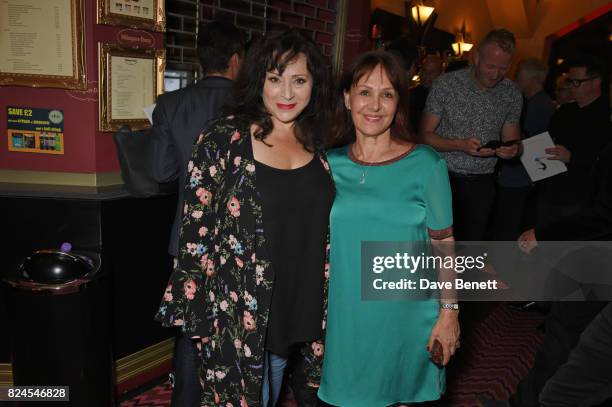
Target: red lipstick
286	107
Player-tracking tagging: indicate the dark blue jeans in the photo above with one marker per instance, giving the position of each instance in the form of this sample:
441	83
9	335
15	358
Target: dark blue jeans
187	390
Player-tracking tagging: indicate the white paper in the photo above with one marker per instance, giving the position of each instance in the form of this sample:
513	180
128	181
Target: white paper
149	112
535	159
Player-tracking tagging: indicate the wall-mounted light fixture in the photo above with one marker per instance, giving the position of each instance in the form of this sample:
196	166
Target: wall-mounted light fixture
421	13
460	45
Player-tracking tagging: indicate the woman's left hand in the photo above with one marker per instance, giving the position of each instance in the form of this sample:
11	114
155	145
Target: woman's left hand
446	331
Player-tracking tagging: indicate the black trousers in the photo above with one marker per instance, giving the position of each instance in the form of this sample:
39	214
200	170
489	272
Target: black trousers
473	199
564	324
508	219
187	390
586	378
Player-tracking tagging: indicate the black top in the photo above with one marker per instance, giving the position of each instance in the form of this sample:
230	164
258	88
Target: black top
584	131
593	221
295	205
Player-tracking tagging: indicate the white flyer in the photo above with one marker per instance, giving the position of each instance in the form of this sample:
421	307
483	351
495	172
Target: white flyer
535	159
149	112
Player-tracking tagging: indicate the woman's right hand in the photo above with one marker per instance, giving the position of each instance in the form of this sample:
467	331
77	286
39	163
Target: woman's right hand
446	330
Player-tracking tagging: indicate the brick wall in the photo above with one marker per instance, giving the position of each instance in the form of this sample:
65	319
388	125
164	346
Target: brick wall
315	18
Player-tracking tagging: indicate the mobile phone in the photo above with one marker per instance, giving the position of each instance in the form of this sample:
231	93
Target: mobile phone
437	353
495	144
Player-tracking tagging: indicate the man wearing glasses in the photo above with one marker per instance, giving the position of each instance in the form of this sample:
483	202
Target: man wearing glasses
580	131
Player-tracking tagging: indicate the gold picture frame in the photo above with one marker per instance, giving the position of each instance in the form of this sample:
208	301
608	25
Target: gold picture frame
143	14
130	80
53	55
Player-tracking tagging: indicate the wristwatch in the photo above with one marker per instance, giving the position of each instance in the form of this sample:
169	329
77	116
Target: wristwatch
453	306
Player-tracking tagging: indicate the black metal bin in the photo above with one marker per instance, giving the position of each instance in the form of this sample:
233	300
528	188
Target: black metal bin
60	326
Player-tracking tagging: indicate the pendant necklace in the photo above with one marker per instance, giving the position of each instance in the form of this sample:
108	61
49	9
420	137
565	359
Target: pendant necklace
366	164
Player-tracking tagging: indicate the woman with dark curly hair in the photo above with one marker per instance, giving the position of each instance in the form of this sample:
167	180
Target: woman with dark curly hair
250	280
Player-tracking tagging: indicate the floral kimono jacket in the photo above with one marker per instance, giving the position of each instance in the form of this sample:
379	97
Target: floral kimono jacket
221	287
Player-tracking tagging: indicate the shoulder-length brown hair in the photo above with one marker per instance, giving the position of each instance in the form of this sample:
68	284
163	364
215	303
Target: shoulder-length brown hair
343	131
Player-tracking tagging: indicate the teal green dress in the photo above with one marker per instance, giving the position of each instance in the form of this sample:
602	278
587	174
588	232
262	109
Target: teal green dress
375	351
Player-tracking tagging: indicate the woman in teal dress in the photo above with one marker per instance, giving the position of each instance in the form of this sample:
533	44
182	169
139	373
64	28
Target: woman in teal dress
387	189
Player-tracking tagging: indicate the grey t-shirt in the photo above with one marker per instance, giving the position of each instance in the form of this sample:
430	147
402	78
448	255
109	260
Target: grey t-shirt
467	110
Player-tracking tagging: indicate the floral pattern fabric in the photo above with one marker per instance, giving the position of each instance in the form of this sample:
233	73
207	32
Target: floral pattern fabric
221	287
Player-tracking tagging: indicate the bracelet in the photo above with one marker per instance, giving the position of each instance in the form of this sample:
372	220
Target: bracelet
453	306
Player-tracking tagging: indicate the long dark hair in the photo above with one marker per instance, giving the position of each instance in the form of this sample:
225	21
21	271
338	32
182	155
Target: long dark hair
275	52
343	131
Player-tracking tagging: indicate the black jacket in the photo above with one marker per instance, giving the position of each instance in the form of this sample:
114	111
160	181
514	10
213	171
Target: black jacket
179	117
584	131
593	221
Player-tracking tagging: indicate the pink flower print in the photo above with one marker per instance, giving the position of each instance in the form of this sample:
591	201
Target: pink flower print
247	351
202	231
211	296
197	214
178	322
248	321
243	402
204	195
323	324
192	248
222	260
230	117
234	207
239	262
203	262
212	170
224	304
237	344
222	163
189	287
242	383
237	161
258	274
327	271
196	173
220	375
229	405
250	168
232	241
209	374
233	296
168	293
235	136
189	166
317	349
216	325
217	398
325	164
210	268
253	259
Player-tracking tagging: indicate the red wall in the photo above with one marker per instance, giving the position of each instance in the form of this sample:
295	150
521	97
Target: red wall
85	149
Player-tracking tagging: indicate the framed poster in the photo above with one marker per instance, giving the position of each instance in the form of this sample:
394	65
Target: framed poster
146	14
33	130
130	80
42	43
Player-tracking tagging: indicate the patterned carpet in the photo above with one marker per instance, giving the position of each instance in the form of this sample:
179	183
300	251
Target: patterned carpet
498	348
